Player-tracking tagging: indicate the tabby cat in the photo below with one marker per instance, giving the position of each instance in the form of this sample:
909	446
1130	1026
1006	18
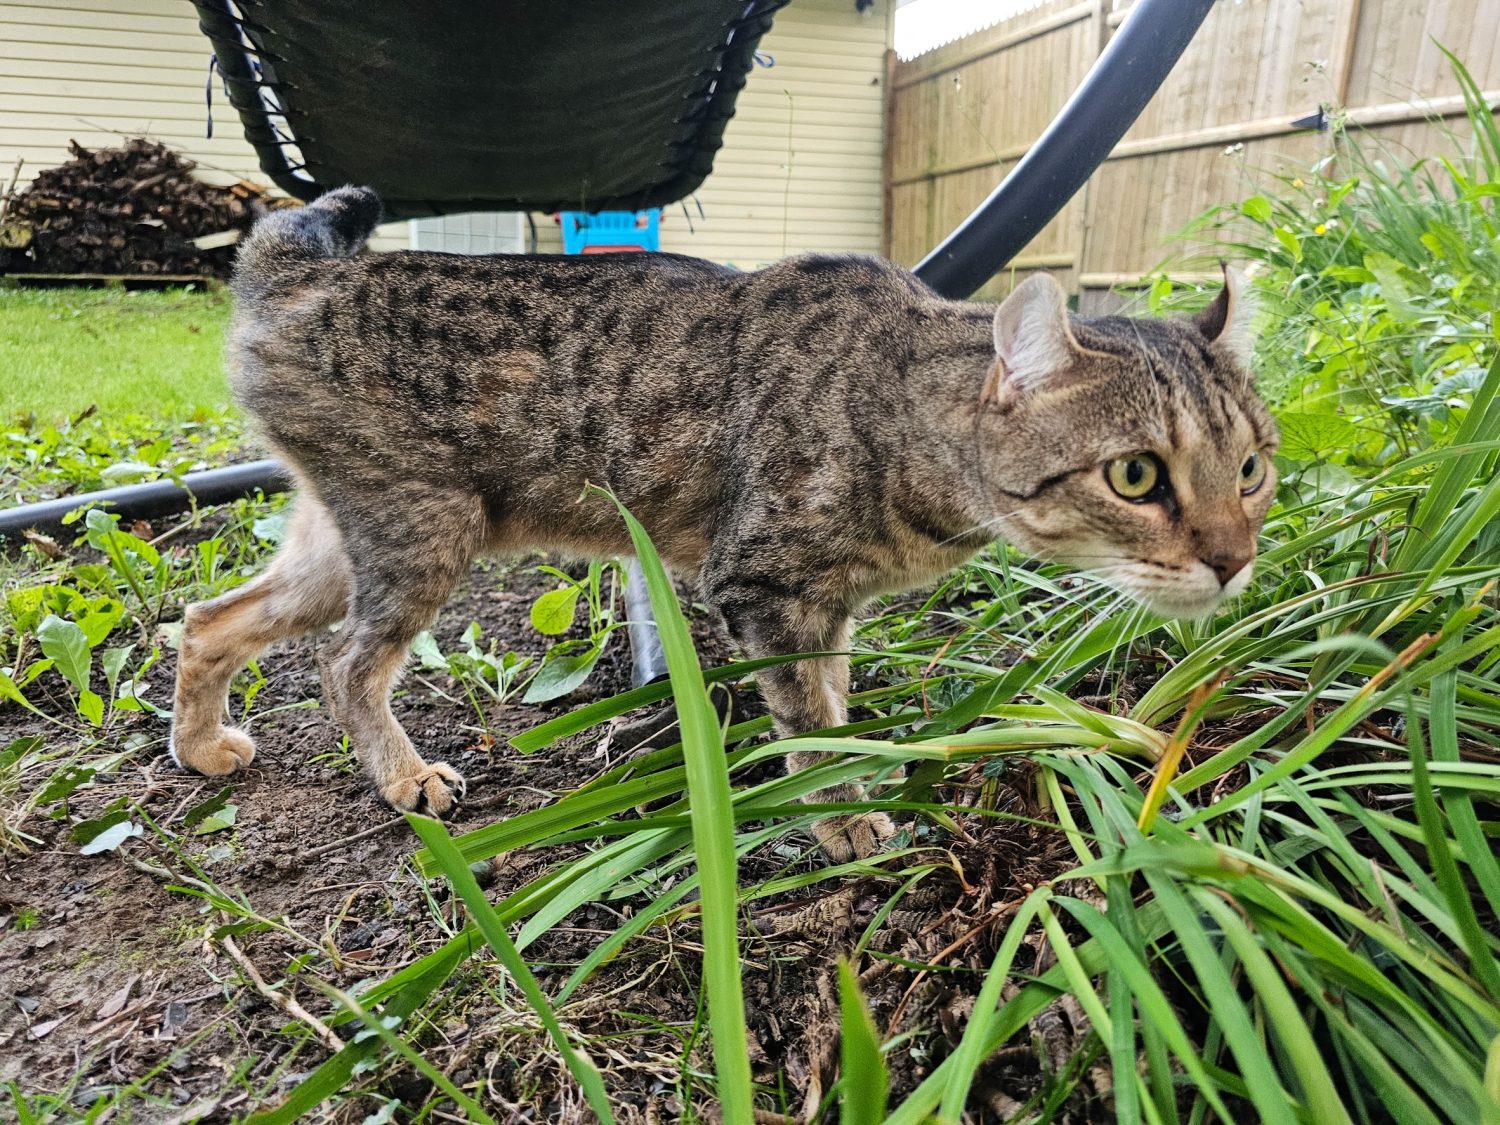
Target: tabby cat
798	439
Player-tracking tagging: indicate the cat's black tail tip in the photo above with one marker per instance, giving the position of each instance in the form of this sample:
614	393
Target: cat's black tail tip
352	213
335	225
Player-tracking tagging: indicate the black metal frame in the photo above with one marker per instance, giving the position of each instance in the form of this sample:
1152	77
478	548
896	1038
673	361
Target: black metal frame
1127	74
252	93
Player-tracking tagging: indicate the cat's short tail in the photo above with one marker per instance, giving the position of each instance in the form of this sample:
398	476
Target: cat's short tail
335	225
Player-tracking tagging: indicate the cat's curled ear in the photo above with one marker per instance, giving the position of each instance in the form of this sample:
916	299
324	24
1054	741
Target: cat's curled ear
1034	347
1226	321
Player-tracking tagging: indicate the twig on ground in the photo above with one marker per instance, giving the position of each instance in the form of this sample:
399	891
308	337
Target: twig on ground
287	1004
324	849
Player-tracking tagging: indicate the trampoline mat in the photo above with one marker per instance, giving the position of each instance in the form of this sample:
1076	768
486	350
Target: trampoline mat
521	105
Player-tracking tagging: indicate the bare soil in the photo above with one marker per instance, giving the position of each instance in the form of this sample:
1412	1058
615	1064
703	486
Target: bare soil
109	980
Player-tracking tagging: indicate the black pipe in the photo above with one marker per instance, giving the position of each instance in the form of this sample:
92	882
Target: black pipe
155	498
1110	98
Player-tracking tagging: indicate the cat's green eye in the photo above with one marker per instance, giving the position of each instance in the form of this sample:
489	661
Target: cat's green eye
1134	478
1252	474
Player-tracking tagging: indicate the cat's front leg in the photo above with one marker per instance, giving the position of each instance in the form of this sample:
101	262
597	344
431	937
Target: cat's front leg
805	695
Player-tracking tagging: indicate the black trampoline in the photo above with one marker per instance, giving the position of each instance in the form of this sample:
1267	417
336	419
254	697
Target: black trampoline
618	105
522	106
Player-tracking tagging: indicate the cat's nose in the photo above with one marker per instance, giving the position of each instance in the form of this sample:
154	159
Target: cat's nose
1225	566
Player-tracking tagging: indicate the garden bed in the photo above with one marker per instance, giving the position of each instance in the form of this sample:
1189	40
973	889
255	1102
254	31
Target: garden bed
127	987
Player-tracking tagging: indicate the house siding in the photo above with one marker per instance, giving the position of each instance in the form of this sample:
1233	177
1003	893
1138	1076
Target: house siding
800	168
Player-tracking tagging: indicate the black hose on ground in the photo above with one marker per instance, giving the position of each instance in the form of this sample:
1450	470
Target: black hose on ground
152	499
219	486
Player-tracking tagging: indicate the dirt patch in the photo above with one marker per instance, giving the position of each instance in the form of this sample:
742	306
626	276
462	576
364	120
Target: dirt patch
114	985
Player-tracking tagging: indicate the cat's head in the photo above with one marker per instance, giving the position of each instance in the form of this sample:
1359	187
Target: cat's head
1137	450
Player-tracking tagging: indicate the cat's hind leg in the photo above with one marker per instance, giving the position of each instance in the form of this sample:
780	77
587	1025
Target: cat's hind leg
405	566
306	587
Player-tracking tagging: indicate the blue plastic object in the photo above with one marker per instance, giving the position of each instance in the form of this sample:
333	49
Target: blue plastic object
604	232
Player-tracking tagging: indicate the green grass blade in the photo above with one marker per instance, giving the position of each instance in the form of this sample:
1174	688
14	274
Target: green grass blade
863	1081
592	714
713	833
1457	801
1291	1030
473	1111
453	866
965	1060
421	981
1445	867
1124	959
1225	1006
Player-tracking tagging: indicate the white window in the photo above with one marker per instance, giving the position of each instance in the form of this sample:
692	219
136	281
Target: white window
479	232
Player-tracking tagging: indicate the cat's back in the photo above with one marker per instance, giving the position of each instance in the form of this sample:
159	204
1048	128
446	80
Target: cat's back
413	293
832	285
370	324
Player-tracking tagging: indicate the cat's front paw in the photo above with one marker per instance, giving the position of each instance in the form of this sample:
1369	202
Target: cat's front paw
222	752
854	835
430	788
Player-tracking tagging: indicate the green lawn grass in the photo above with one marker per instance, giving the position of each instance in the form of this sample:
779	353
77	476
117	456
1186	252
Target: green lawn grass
124	351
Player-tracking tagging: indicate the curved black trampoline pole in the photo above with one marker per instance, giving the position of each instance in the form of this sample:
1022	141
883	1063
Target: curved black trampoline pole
244	82
1123	79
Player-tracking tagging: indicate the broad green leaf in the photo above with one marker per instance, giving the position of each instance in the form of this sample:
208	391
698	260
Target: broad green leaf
33	670
19	748
25	606
560	675
429	656
112	662
1313	437
552	614
124	472
62	784
271	529
207	808
1387	271
218	821
9	690
91	706
85	831
104	534
1257	207
98	618
68	645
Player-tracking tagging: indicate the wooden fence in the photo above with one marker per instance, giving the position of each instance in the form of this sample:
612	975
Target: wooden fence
961	116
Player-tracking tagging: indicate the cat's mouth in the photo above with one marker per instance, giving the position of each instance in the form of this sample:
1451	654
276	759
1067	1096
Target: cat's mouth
1172	591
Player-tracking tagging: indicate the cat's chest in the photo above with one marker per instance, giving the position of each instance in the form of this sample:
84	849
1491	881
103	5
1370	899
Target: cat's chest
902	559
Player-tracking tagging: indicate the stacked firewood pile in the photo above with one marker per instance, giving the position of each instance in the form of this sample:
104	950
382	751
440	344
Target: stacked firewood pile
136	209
